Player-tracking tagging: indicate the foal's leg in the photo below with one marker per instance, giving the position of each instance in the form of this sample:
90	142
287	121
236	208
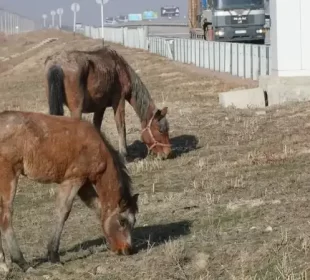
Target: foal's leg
119	115
97	119
7	192
65	196
3	265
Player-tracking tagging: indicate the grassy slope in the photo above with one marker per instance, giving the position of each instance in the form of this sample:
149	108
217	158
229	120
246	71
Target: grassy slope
233	205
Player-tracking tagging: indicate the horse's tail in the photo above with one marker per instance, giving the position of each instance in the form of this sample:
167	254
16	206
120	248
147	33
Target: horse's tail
56	90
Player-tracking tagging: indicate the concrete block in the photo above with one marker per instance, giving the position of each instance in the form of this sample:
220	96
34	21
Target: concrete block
283	93
265	81
242	99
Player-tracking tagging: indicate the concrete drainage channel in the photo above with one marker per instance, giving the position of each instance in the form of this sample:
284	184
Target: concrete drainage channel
272	90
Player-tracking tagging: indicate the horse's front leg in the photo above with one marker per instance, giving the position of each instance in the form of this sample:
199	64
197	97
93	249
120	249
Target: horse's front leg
66	193
7	192
119	115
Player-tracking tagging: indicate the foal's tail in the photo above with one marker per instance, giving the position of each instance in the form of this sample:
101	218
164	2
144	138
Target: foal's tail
56	90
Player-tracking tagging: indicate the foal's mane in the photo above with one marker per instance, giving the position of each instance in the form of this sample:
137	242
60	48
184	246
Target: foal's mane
122	173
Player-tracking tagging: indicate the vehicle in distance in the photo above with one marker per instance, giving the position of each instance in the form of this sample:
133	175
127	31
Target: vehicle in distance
228	20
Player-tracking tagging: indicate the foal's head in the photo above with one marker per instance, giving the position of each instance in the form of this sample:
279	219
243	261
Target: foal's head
156	134
119	224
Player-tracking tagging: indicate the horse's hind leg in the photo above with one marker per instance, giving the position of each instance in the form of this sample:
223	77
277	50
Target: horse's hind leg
97	119
7	192
64	201
74	96
119	115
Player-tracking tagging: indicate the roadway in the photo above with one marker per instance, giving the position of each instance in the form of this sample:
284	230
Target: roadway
160	27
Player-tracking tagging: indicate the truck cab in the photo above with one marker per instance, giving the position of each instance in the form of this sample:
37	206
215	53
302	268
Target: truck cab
234	21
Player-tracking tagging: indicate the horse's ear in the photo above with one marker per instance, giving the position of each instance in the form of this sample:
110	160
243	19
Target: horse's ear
135	198
135	202
161	113
164	111
157	114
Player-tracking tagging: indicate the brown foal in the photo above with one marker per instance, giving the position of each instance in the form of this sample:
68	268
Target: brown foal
73	154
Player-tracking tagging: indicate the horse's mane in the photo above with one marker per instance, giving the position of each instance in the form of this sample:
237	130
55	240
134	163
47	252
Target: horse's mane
139	91
122	173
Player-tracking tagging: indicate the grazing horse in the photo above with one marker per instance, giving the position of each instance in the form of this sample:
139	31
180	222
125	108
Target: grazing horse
91	81
73	154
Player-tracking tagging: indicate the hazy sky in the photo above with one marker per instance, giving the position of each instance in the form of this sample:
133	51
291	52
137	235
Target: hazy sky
90	11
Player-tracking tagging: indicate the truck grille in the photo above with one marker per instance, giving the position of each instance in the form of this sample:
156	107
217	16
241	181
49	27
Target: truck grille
239	20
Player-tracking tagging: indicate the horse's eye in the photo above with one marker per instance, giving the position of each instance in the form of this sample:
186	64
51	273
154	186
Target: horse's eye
122	222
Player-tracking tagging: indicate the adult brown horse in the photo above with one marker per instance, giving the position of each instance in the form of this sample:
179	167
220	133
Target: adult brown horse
73	154
91	81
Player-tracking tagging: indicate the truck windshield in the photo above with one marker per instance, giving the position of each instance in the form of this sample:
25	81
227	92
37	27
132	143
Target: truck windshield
238	4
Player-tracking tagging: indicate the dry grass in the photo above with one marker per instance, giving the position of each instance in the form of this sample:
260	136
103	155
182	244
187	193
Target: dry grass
234	206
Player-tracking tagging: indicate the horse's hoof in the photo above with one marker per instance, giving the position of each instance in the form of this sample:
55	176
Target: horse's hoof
24	266
4	268
30	269
53	257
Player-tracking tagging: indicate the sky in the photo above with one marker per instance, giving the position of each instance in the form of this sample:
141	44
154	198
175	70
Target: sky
90	10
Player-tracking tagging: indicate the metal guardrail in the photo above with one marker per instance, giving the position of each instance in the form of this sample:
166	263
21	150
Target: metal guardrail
12	23
242	60
147	23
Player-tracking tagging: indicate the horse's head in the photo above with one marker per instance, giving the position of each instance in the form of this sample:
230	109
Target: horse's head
156	134
118	226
